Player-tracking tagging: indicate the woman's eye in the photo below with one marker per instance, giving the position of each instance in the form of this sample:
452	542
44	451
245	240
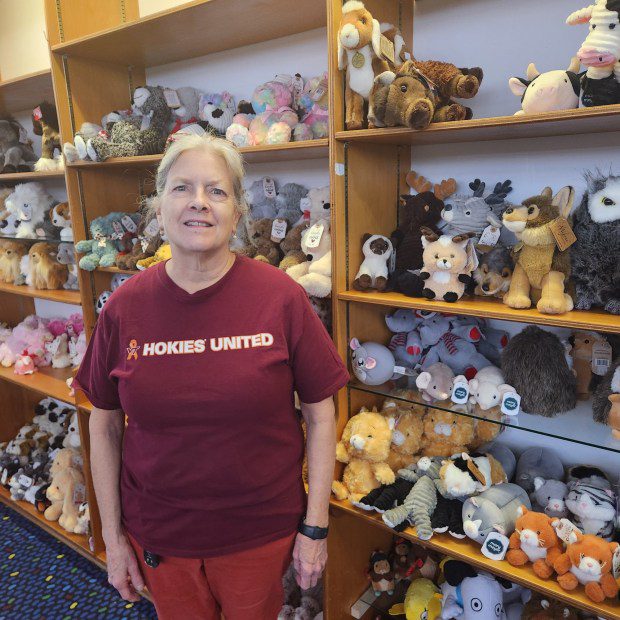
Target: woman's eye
218	192
179	188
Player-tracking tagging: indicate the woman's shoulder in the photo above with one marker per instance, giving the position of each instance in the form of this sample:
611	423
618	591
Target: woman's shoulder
269	279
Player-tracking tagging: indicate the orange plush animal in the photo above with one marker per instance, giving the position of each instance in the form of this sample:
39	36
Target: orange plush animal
11	253
446	433
534	540
407	433
45	271
588	560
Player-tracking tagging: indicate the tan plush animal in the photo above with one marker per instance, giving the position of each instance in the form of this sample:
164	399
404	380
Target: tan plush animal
534	540
11	253
45	271
541	269
262	248
66	497
583	343
364	447
291	247
407	433
446	433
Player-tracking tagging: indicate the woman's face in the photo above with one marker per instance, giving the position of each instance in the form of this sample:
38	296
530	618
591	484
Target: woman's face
197	208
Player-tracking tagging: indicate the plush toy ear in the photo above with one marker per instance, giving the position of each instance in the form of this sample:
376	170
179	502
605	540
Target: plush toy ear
563	200
385	78
376	37
499	528
518	86
423	380
474	502
342	55
473	384
366	237
355	344
503	388
538	482
370	363
425	242
522	510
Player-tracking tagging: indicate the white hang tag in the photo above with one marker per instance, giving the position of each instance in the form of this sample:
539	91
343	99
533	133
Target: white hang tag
511	402
79	493
392	262
564	528
298	84
151	229
118	229
283	78
339	169
144	243
129	224
402	370
616	564
460	392
102	242
495	546
601	357
320	90
489	236
36	465
313	236
269	187
25	213
25	481
172	98
278	230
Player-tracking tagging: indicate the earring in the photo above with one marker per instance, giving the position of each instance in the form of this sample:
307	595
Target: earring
234	236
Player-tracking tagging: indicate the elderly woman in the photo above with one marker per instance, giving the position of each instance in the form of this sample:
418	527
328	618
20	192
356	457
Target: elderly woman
200	495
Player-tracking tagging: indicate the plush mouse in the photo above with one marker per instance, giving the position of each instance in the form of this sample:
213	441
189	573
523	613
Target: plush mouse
372	363
435	383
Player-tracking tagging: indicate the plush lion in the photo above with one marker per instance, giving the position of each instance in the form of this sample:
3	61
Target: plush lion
364	447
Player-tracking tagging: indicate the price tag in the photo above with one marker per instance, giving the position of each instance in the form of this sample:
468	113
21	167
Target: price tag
387	49
79	493
563	233
460	392
320	90
151	229
283	78
601	357
118	229
511	403
269	187
402	370
102	242
37	115
339	169
305	204
172	98
25	481
298	84
313	236
278	230
489	236
129	224
564	528
144	243
495	546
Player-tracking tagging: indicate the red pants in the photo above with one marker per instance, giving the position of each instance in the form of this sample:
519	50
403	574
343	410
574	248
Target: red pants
244	585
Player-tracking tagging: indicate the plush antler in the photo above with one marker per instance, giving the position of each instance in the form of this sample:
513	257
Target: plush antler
500	191
444	189
581	16
429	234
417	182
462	237
477	186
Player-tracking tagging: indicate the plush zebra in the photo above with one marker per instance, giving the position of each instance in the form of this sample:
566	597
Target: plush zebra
592	509
600	52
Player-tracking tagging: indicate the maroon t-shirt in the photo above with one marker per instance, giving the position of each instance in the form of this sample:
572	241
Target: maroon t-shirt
213	448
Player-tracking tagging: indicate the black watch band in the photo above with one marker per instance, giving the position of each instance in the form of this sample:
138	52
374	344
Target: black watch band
312	531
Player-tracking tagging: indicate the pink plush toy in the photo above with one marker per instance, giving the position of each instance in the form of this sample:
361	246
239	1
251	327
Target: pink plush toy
273	95
24	365
31	336
313	110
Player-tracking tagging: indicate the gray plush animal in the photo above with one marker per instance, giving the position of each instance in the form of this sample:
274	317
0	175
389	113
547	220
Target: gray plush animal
287	202
537	463
596	253
600	398
144	133
534	363
15	156
261	197
549	496
474	213
493	510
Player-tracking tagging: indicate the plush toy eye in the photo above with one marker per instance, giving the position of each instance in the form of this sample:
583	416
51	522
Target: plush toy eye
403	88
498	610
451	255
581	556
587	341
530	210
434	387
505	273
369	436
467	212
608	202
565	81
495	397
538	532
476	604
436	255
593	26
363	20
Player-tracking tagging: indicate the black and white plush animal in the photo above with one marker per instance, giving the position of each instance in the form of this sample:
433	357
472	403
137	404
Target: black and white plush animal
373	272
592	509
596	253
30	203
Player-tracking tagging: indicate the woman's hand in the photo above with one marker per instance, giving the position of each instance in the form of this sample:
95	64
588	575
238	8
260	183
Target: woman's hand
309	560
123	570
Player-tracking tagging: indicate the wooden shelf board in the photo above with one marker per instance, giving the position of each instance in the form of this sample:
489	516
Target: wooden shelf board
26	92
491	308
23	177
59	295
47	381
564	122
469	552
308	149
195	29
77	542
130	272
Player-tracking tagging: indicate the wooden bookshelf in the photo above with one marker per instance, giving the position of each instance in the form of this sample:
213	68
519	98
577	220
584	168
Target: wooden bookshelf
47	381
60	295
26	92
597	119
24	177
491	308
469	552
113	269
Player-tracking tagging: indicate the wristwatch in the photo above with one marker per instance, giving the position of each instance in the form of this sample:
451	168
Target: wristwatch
312	531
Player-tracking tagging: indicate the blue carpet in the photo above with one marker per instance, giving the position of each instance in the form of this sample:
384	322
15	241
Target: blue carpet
43	579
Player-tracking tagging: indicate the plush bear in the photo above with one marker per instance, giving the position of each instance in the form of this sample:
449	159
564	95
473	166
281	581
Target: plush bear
315	275
45	272
45	124
218	110
30	204
364	447
588	560
72	438
534	540
316	206
446	433
261	198
261	245
291	247
188	112
288	202
11	253
373	272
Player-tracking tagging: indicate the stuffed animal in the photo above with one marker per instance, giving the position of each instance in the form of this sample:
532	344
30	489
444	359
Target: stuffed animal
446	265
539	608
11	253
446	433
605	397
372	363
592	509
364	447
588	560
547	92
583	343
59	350
405	344
30	204
406	435
313	109
534	363
288	202
316	205
534	540
290	246
494	510
60	217
373	272
72	438
15	155
541	268
401	99
163	253
83	521
77	151
381	574
9	222
464	475
435	383
537	463
45	271
66	256
261	197
262	247
422	601
218	110
188	111
66	487
549	496
599	52
596	253
494	272
45	124
315	275
148	239
416	211
465	214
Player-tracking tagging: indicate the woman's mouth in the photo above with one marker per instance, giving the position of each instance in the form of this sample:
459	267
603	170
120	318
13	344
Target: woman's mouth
198	224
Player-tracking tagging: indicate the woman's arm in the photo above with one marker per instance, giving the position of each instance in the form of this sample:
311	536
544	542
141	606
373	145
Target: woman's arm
310	556
106	442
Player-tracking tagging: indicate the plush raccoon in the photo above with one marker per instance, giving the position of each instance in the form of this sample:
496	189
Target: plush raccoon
595	256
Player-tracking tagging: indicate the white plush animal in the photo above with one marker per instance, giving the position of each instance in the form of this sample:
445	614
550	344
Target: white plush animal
59	350
373	272
72	440
487	388
29	203
315	206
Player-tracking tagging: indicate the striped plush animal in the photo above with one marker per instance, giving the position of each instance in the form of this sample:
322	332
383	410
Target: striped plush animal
593	510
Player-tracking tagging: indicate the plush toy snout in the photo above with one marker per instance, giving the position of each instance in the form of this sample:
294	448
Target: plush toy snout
472	528
443	429
444	263
357	442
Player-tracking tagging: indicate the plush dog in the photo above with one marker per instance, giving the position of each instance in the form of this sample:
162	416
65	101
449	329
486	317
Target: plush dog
373	272
494	272
45	271
11	253
60	217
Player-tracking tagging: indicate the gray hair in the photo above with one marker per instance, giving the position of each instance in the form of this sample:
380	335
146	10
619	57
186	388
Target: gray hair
208	144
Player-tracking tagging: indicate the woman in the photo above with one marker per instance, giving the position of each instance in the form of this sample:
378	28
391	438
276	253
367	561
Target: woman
201	496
